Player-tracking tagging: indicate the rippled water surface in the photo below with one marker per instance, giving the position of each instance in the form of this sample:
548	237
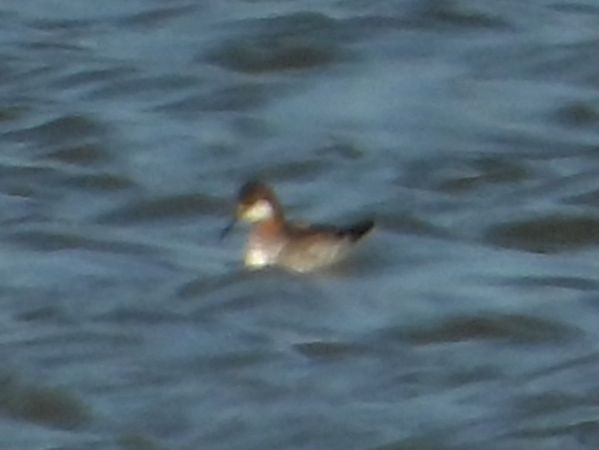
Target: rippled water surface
468	320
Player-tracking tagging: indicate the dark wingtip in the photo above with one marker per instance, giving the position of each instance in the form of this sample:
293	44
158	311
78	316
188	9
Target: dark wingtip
360	229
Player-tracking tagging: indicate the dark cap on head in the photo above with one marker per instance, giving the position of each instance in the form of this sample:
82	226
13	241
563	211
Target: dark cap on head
255	190
252	188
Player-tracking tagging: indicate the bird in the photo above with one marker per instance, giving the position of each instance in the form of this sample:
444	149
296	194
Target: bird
276	241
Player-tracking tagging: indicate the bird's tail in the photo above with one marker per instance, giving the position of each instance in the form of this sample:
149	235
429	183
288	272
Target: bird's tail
359	229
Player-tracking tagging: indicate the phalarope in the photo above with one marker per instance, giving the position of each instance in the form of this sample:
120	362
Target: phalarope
275	241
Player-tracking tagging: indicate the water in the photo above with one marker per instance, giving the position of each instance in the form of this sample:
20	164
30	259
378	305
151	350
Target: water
467	320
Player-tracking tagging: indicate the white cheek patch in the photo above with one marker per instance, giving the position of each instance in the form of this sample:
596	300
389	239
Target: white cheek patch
261	210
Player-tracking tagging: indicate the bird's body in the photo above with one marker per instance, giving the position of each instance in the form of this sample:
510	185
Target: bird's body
275	241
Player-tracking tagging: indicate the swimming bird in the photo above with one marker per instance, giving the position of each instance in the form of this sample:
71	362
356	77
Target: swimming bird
275	241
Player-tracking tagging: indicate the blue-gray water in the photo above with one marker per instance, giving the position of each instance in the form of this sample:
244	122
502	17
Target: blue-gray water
468	320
